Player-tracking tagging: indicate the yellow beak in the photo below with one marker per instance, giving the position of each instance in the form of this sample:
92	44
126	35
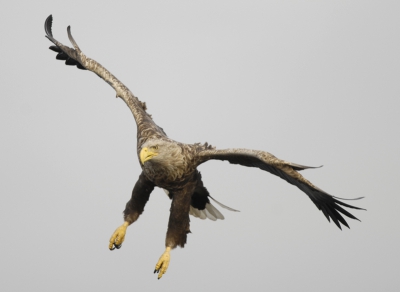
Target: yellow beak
146	154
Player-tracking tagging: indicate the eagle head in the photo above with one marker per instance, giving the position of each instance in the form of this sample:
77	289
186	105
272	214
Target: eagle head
148	153
159	152
163	157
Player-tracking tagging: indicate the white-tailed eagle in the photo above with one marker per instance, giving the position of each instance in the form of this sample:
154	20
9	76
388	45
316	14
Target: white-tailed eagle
173	166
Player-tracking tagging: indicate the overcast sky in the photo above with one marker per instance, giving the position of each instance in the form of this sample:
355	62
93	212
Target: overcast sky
312	82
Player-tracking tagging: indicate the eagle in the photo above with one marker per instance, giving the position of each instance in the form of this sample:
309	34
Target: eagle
172	166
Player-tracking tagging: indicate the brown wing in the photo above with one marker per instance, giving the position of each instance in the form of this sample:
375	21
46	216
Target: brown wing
288	171
74	56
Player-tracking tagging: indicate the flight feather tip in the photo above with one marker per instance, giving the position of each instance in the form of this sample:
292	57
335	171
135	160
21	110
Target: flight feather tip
47	25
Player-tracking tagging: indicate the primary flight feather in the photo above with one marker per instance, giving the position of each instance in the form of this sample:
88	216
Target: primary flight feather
173	166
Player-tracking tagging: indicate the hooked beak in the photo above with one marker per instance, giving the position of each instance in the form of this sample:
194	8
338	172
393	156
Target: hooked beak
146	154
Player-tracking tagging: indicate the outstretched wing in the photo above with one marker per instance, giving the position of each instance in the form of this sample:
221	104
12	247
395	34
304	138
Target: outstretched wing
74	56
329	205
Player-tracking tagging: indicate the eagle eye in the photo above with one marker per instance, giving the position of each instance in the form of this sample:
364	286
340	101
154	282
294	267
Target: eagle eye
154	147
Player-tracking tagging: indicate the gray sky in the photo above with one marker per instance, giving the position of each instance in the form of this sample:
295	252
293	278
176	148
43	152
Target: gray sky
313	82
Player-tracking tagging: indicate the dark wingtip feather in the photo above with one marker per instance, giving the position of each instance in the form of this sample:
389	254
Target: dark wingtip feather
359	198
330	206
62	56
340	218
299	167
47	25
348	206
344	212
71	62
55	49
64	53
322	208
80	66
334	219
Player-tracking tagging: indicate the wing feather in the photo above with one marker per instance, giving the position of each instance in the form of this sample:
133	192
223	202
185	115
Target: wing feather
65	53
329	205
75	57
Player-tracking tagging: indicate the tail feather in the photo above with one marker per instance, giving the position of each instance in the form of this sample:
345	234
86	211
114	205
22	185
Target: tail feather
209	211
223	206
209	215
217	214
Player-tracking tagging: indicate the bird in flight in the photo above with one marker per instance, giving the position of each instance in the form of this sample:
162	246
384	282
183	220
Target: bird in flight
172	166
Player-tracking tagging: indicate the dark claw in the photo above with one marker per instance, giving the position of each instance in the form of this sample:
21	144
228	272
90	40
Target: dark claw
112	248
155	271
117	246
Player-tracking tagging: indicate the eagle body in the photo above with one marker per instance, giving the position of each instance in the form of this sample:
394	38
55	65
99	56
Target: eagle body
172	165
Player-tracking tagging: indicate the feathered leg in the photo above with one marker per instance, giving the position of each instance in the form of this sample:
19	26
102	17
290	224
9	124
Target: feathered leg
178	225
140	195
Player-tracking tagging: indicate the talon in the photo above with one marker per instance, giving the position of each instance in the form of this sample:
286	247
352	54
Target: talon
163	263
118	237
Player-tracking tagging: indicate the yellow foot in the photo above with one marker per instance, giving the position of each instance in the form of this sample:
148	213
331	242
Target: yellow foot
118	237
163	263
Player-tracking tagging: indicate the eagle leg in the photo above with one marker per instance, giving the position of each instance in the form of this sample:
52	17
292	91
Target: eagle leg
118	237
133	209
178	225
163	263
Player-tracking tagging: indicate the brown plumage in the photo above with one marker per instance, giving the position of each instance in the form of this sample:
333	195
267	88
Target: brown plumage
173	166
